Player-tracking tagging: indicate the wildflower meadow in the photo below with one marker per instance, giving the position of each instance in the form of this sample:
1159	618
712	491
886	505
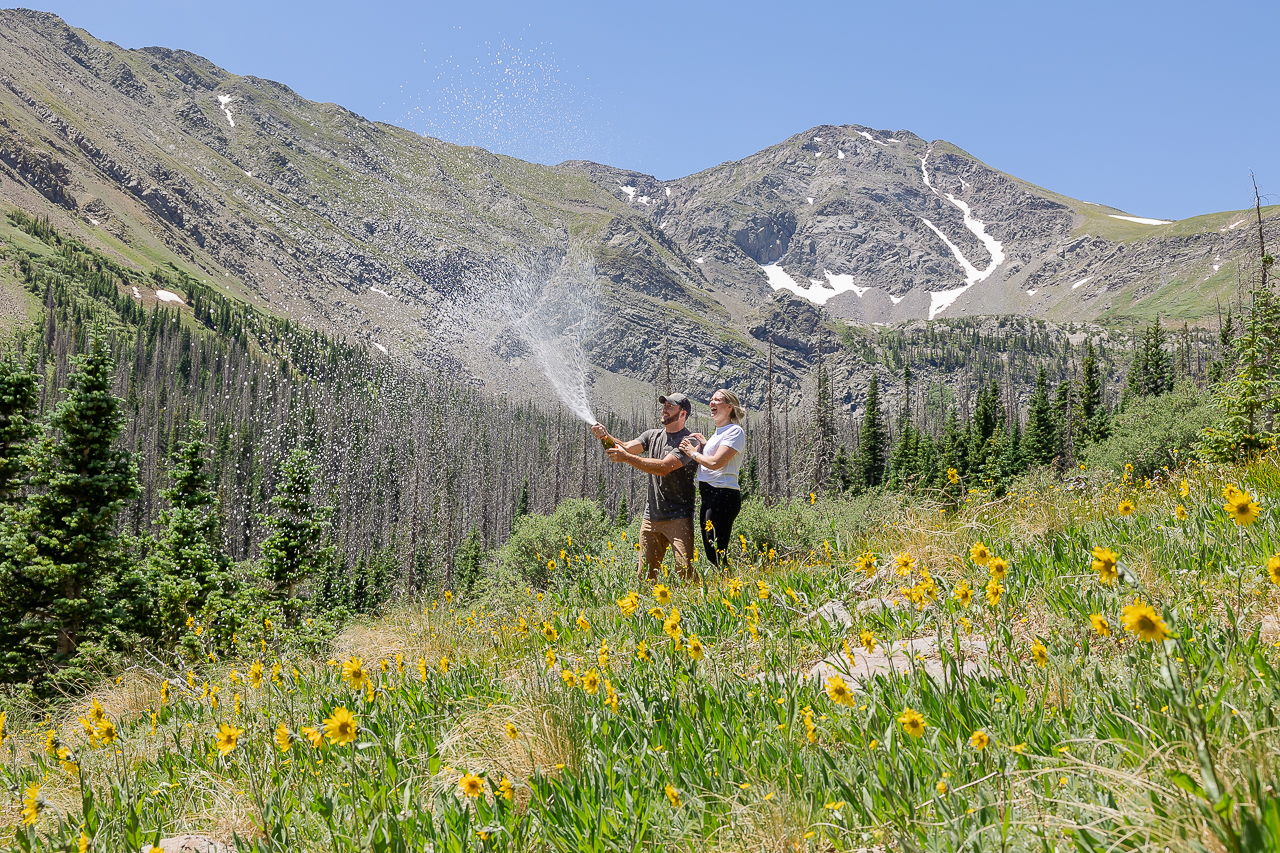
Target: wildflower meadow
1094	667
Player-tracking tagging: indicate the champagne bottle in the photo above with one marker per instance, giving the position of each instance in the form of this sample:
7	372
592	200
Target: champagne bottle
608	442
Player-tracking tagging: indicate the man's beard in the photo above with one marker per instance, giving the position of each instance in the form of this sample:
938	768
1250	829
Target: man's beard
668	420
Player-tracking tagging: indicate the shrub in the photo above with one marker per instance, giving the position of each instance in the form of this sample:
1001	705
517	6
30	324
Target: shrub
789	528
1149	431
522	560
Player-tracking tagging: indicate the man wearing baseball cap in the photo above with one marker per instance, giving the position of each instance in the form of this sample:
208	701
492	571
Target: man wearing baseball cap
668	513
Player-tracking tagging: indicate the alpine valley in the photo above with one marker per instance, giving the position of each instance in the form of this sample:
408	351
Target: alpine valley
373	233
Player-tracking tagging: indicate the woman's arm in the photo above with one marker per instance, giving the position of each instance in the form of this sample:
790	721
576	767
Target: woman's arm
717	460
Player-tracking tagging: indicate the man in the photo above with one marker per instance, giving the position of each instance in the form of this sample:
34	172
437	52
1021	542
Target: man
668	512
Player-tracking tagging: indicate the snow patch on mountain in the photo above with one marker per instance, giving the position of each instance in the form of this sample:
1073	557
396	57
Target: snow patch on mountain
818	292
940	301
224	101
1141	220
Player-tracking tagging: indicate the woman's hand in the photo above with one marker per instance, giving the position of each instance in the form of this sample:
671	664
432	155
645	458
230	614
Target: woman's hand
688	447
702	439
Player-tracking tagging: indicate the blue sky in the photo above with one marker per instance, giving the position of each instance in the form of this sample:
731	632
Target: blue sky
1161	109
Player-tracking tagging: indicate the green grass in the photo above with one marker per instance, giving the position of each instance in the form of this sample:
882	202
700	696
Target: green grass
1112	743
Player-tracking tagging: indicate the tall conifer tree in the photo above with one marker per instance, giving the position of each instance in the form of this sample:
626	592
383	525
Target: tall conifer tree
1040	444
72	568
873	439
298	525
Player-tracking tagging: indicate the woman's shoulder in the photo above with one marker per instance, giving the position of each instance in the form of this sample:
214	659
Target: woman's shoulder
729	432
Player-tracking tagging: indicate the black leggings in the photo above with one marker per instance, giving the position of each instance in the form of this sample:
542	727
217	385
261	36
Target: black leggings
719	507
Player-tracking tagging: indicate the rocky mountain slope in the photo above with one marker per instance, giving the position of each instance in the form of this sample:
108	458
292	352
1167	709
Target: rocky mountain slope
369	231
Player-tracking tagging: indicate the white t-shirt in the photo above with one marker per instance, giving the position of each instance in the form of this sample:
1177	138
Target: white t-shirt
731	435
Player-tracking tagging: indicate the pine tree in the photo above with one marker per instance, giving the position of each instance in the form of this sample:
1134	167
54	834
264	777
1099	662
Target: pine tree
1092	405
522	502
188	562
65	582
843	475
1247	401
872	440
1041	441
824	437
1151	373
469	562
297	526
19	395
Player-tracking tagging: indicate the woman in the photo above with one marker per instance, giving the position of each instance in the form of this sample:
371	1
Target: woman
718	465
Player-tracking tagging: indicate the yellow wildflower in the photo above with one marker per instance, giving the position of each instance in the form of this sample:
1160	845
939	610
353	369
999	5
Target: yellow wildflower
912	723
1039	654
610	696
673	795
353	673
340	727
628	603
839	691
1142	620
1242	508
1273	568
471	785
227	738
980	554
1104	563
1101	625
591	682
662	595
979	740
33	804
994	591
868	639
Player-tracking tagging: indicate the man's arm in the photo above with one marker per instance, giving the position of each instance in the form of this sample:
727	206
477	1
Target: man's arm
661	467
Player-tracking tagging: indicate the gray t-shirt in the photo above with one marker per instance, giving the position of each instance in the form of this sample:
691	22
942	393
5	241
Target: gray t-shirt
672	496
